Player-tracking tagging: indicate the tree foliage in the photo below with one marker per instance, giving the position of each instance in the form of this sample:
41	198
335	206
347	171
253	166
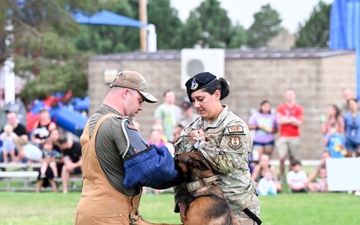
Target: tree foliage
315	31
267	24
104	39
167	23
41	45
209	26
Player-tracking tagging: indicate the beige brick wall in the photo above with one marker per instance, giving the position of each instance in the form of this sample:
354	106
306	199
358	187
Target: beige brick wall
317	82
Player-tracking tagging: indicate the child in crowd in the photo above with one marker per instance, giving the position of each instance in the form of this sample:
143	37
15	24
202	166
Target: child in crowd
297	178
335	141
27	152
267	185
49	159
8	139
321	183
48	169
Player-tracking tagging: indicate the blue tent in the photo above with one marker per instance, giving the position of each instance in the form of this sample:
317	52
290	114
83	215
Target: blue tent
345	30
107	18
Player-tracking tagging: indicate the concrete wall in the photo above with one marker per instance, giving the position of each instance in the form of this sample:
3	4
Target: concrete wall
318	81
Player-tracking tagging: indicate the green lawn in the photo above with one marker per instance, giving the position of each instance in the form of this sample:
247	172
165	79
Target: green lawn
47	208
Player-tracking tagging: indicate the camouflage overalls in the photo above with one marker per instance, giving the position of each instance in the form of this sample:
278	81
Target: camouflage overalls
227	146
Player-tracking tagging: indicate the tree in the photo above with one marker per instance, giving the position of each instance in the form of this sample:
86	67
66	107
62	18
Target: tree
104	39
207	26
41	45
267	23
167	23
315	31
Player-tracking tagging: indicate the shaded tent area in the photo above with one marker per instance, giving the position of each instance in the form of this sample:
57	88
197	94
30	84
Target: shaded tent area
345	30
105	17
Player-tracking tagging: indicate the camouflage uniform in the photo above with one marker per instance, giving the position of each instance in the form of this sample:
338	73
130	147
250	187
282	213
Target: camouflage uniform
227	146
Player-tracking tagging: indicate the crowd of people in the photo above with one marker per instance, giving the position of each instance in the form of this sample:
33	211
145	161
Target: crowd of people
239	152
57	152
341	138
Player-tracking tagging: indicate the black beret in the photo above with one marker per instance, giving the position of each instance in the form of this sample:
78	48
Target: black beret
199	81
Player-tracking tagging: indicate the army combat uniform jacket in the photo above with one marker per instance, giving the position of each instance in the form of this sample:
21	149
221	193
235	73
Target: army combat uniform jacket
226	147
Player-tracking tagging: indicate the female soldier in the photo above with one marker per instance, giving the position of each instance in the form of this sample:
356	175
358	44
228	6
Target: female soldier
224	140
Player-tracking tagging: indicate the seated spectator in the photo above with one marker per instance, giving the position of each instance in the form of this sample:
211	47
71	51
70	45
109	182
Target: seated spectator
42	128
19	129
8	138
322	165
155	138
54	136
262	168
71	151
48	169
27	152
49	159
335	142
267	185
297	178
321	183
160	128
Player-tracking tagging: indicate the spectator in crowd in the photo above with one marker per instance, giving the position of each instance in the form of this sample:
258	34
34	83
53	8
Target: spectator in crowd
188	115
347	95
335	142
290	117
261	169
27	152
265	126
352	129
49	159
322	165
333	116
42	127
8	138
267	185
225	142
48	169
167	114
19	129
55	135
321	183
155	138
297	179
71	151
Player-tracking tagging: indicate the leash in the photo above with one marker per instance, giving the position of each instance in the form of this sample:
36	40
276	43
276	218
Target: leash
252	216
198	184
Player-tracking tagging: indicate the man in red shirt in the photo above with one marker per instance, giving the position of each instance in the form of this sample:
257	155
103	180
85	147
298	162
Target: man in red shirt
290	117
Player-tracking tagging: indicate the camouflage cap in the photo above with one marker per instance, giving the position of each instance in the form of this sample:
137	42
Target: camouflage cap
133	80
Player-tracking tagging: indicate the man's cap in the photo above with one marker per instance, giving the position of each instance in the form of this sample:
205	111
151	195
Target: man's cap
185	105
133	80
199	81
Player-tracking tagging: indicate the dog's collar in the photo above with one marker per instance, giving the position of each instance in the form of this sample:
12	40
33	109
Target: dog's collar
196	185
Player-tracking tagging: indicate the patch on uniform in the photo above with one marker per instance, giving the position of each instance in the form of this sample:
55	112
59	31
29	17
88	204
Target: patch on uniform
235	129
235	142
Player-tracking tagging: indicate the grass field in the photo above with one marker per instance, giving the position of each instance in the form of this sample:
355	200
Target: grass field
27	208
